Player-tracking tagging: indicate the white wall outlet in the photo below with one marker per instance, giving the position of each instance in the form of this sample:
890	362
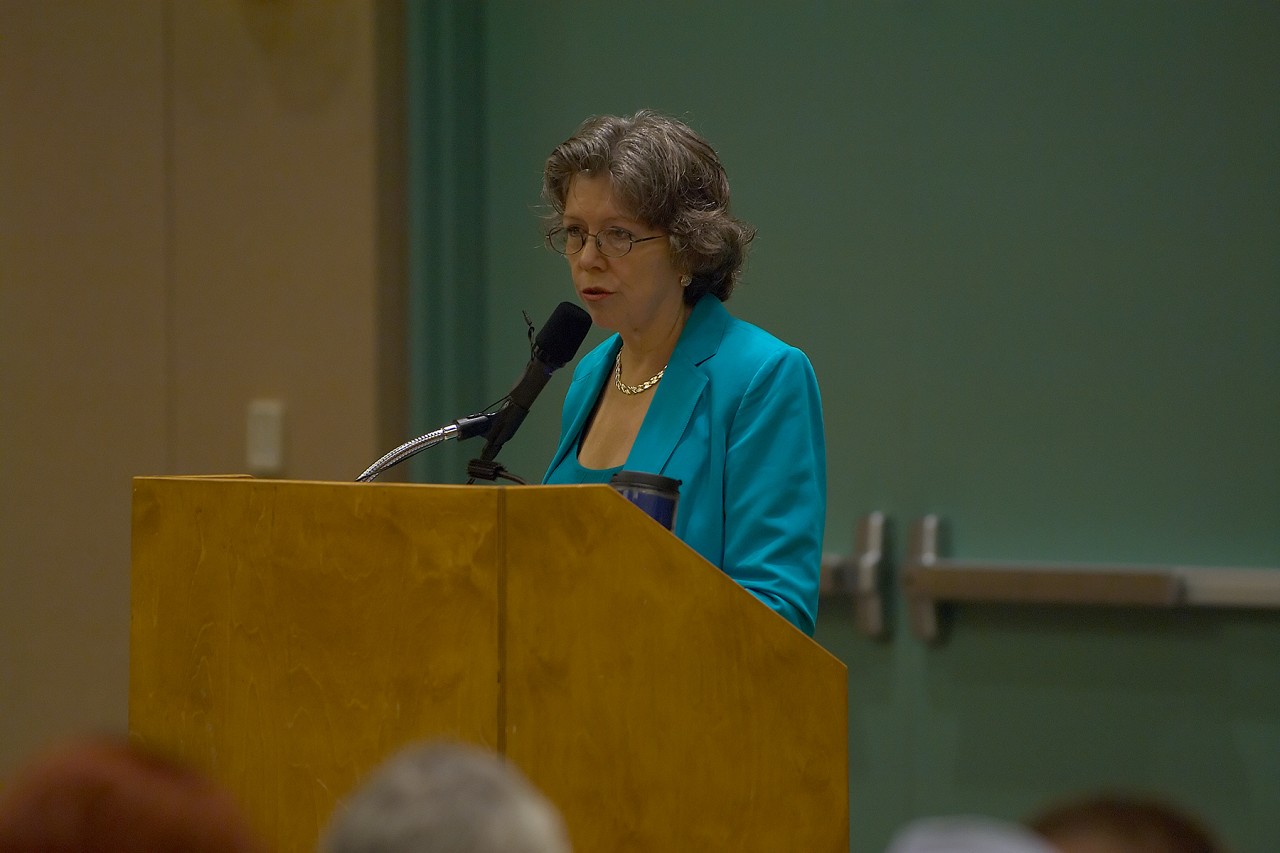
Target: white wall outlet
264	438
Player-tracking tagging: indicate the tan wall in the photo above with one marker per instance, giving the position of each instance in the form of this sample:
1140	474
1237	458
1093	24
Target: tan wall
190	220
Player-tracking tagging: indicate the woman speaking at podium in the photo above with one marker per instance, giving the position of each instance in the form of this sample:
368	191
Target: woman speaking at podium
640	210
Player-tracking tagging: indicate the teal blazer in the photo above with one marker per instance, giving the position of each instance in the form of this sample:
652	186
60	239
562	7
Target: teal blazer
737	418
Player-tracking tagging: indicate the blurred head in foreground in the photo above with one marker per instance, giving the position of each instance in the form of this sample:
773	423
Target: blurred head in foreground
445	798
105	795
966	834
1123	824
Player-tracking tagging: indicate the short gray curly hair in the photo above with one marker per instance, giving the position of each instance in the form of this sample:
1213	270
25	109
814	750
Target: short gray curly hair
445	797
668	177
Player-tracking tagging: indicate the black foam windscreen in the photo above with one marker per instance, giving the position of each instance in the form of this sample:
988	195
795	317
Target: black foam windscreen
558	340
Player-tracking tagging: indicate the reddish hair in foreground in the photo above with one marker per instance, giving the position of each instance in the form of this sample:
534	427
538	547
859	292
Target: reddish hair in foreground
105	795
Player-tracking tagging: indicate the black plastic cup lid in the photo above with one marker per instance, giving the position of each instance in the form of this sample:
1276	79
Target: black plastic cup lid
644	479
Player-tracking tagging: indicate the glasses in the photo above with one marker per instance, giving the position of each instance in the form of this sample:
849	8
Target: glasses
611	242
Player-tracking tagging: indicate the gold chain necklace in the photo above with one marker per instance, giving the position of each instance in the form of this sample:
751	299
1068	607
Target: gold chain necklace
633	389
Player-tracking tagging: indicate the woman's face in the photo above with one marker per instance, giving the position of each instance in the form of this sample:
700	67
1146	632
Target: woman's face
637	293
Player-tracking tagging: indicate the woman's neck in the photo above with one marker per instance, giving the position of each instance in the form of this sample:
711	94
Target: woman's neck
648	351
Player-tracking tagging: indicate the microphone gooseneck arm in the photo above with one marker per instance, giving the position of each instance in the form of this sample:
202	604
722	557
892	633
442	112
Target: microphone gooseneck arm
462	428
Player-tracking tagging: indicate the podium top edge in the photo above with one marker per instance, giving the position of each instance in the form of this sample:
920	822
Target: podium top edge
205	478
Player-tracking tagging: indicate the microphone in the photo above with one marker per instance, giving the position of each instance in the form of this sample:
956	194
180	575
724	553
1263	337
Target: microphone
556	345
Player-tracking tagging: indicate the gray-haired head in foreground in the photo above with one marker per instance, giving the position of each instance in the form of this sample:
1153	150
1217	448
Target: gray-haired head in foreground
445	798
667	176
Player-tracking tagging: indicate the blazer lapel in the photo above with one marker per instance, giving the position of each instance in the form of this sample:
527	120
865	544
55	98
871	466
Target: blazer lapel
682	385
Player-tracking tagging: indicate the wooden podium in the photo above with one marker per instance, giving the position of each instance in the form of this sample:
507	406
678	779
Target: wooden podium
288	636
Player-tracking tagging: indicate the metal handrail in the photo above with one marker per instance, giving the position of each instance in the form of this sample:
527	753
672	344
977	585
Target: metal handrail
928	579
860	576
